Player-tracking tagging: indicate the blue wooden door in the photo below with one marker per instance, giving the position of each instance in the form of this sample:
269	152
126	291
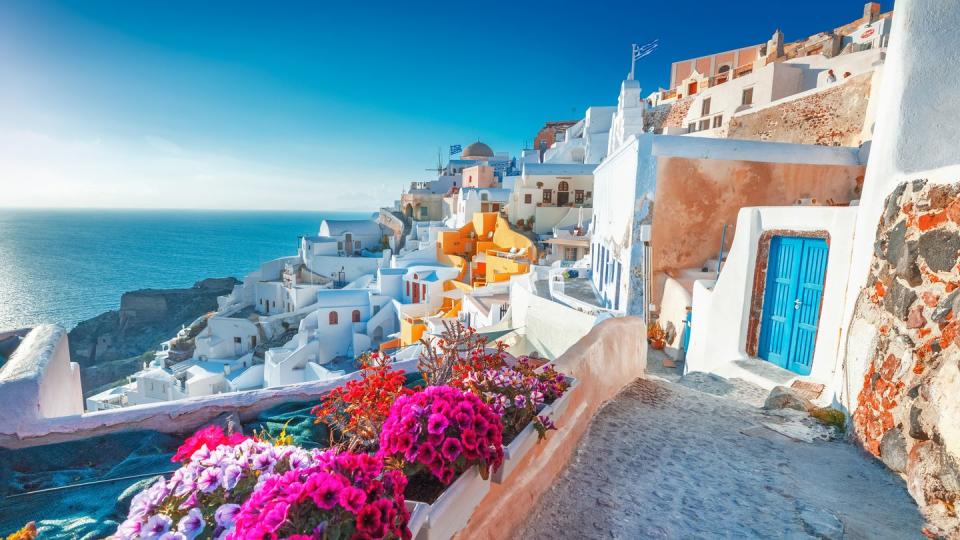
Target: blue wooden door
791	306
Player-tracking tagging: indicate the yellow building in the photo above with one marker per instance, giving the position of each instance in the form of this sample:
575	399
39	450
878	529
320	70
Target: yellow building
486	250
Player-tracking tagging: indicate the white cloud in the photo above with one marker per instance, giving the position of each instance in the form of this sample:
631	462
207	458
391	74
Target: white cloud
40	170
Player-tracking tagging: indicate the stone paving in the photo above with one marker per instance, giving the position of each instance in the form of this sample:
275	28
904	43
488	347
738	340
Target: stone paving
664	460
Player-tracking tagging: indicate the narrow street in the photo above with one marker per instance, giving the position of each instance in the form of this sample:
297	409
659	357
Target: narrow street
664	460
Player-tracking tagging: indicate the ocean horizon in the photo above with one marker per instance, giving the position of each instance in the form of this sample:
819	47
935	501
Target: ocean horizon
64	266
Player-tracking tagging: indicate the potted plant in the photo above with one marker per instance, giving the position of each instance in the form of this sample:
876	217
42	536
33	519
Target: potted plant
656	336
446	441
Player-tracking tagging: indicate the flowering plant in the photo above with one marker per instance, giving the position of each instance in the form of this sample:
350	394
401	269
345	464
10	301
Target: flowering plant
553	383
342	495
211	437
204	495
356	410
516	397
458	352
443	430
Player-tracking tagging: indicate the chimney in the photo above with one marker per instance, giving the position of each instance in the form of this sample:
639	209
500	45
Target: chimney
871	12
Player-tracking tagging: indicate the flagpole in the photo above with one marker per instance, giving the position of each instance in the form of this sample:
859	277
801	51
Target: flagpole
633	60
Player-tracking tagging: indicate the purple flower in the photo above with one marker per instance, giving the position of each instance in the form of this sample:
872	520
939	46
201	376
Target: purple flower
437	424
521	401
189	502
129	529
226	514
231	475
209	480
191	525
155	526
263	461
169	535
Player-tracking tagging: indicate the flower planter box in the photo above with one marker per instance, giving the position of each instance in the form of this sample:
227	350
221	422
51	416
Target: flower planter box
514	452
418	518
452	510
558	408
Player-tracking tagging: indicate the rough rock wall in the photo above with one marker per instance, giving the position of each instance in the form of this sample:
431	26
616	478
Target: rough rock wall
908	412
831	117
666	115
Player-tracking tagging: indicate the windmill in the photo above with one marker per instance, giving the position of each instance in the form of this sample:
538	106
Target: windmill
439	168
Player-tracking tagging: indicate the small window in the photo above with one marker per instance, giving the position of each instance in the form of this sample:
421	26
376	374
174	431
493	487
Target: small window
704	124
564	186
547	195
578	196
237	340
717	120
355	316
333	318
747	98
589	194
356	244
340	245
705	108
527	198
691	127
273	304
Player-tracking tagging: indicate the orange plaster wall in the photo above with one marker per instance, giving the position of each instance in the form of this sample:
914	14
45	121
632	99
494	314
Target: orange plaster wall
695	197
605	361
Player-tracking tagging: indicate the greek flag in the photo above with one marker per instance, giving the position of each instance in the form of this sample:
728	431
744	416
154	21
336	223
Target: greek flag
639	51
455	149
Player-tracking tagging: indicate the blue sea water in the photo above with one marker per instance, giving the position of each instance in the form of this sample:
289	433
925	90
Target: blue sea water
64	266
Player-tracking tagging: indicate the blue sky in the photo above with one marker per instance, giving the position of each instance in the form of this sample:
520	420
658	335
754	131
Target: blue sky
317	105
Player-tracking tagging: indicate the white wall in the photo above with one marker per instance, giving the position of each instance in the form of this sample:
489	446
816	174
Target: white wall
217	339
721	309
39	380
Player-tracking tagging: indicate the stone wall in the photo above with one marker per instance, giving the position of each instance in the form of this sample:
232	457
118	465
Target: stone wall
834	116
668	115
908	411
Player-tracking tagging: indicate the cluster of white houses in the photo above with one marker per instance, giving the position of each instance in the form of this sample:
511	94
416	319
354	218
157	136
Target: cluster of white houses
658	207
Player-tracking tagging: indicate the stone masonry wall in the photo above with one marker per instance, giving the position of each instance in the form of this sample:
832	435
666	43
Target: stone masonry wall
666	115
831	117
908	411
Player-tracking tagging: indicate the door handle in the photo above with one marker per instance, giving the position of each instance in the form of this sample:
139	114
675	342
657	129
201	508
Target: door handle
797	303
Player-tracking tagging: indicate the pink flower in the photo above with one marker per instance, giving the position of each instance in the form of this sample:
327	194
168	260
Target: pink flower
437	423
327	492
451	449
368	520
352	499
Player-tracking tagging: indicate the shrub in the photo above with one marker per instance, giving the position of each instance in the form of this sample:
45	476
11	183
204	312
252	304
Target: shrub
342	495
442	430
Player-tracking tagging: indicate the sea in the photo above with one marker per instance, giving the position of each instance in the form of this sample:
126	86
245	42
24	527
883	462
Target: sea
65	266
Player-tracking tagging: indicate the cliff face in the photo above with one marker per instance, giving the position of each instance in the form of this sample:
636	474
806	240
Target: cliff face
109	346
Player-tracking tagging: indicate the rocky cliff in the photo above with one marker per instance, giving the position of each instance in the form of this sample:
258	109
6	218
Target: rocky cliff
109	346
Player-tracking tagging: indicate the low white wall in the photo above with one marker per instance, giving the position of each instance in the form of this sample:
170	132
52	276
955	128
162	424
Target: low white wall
551	326
39	381
721	314
19	431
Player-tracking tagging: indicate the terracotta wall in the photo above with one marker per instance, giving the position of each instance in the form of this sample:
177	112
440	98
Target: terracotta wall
696	197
